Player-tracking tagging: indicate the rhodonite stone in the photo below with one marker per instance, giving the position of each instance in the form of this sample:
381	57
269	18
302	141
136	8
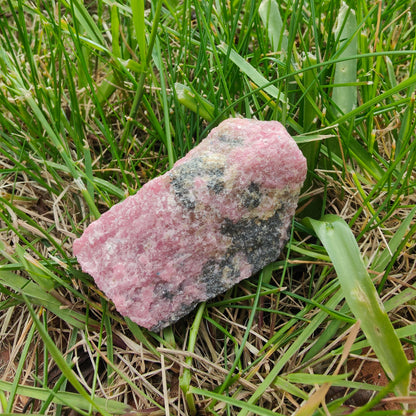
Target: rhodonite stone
218	216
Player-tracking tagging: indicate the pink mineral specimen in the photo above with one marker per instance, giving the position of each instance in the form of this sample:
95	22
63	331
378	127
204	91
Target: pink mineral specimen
218	216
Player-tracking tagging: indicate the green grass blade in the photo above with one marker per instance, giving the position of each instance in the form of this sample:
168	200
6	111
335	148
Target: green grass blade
240	351
139	334
408	121
111	406
285	385
39	296
140	85
272	20
376	99
164	98
185	378
194	101
291	351
310	83
137	8
366	408
305	378
252	73
87	22
362	296
248	407
115	31
60	360
19	370
344	96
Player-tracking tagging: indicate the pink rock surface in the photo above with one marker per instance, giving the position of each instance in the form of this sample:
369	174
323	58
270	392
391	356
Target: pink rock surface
218	216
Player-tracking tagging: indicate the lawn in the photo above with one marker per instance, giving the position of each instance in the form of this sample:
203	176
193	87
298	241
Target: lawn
99	97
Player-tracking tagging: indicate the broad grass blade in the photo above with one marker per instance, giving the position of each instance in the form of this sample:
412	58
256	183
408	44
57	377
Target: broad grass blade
362	297
137	8
87	23
252	73
194	101
272	20
65	398
40	296
344	96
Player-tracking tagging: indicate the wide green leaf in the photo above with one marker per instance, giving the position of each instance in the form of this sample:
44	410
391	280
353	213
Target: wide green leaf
362	297
76	400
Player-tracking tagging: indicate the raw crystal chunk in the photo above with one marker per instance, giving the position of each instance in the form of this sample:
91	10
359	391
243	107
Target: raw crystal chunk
218	216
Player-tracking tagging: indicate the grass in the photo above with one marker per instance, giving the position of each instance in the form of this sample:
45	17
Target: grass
97	98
